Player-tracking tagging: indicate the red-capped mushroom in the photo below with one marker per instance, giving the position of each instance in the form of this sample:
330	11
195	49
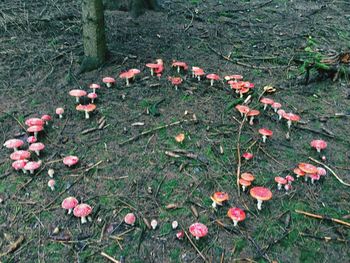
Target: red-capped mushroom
243	110
244	184
59	112
212	78
236	214
291	117
261	194
46	118
276	106
266	101
82	211
127	75
247	155
13	144
180	137
298	172
35	129
37	147
280	182
70	160
318	145
31	139
94	87
242	91
280	113
153	67
252	114
198	72
32	166
86	108
176	81
314	177
179	65
321	171
218	198
265	133
51	183
109	81
248	177
34	122
130	219
92	96
290	179
77	93
198	230
180	235
69	203
19	164
20	155
308	169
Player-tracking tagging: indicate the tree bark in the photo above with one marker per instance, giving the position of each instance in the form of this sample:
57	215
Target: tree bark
93	34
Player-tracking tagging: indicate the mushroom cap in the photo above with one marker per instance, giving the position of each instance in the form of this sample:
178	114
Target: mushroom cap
198	71
242	109
307	168
135	71
179	64
46	117
37	146
291	116
94	86
248	85
261	193
265	132
244	182
108	80
130	219
126	75
70	160
247	155
59	111
290	178
32	165
77	93
20	155
51	183
34	122
243	90
35	128
248	177
253	113
69	203
276	105
153	65
236	214
267	101
319	144
237	77
82	210
298	172
321	171
180	137
280	180
213	76
13	143
92	95
194	69
219	197
88	108
315	176
198	230
32	139
175	80
19	164
281	112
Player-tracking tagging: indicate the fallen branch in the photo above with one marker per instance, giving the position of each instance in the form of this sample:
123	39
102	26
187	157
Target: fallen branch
103	254
134	138
327	239
330	170
338	221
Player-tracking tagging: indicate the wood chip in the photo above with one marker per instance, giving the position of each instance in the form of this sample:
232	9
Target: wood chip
138	124
194	211
147	223
102	124
172	154
172	206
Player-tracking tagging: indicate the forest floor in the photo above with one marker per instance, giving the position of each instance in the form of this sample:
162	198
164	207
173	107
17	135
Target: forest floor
265	41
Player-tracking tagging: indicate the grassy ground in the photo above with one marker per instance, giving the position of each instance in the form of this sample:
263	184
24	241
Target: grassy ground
264	41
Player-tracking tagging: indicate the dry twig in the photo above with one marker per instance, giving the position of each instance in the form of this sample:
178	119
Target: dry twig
338	221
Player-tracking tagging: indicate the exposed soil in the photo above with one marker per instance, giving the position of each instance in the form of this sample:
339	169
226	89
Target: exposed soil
40	53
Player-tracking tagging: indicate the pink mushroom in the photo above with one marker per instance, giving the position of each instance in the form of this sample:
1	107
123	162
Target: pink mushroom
46	118
198	230
69	203
92	96
127	75
280	182
51	183
212	78
34	122
179	65
276	106
319	145
280	113
31	139
77	93
266	101
37	147
265	133
247	155
109	81
20	155
176	81
130	219
82	211
94	87
70	160
236	214
321	171
59	112
19	164
35	129
32	166
13	144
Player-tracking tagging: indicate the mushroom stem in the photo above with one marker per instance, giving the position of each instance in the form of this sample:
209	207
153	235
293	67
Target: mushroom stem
289	123
197	238
265	106
259	204
178	69
31	171
235	222
251	120
60	116
70	211
83	220
52	188
24	171
243	188
93	90
175	87
199	78
279	187
317	149
213	205
77	99
127	82
152	72
36	135
211	82
312	180
37	153
264	138
109	85
87	116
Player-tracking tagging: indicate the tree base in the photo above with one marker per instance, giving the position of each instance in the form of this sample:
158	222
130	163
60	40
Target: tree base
89	64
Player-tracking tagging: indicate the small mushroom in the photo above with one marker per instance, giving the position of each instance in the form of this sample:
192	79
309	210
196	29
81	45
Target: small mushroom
31	139
179	65
198	230
34	122
174	224
280	113
247	156
290	179
176	81
35	129
244	184
180	235
266	101
308	169
280	182
51	172
180	137
261	194
248	177
243	110
298	172
197	72
86	108
37	147
20	155
154	224
252	114
314	177
94	87
69	203
70	160
59	112
32	166
321	171
130	219
265	133
82	211
218	198
318	145
19	164
92	96
46	118
51	183
212	78
236	214
109	81
276	106
127	75
13	144
77	93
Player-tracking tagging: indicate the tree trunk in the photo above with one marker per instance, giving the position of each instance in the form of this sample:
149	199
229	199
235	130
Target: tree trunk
93	34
